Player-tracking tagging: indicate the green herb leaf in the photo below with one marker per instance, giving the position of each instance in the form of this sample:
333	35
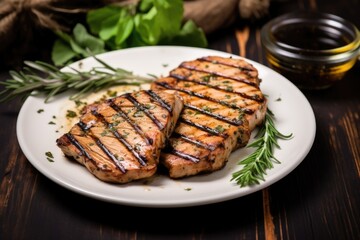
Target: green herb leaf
256	164
125	27
96	17
109	27
62	53
190	35
146	27
87	41
145	5
81	44
169	17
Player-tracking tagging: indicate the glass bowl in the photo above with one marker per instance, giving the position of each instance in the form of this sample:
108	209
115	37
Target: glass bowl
313	50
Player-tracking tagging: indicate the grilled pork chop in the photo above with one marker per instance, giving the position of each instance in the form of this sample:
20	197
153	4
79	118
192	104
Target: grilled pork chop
120	139
222	105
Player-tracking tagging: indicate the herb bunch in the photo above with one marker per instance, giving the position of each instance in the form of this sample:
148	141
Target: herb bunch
40	77
256	164
112	27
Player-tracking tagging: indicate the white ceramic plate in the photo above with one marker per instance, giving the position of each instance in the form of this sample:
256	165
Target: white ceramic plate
292	110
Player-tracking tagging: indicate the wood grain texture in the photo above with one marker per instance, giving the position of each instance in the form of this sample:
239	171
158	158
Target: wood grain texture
320	199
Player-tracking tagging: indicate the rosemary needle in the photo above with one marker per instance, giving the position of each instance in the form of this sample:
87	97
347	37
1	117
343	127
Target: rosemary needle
40	77
256	163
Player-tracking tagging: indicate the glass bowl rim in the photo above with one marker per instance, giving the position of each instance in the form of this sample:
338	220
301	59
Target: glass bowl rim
288	52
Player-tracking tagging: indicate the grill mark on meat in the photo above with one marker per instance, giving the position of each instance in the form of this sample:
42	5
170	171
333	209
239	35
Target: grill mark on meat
193	141
234	106
74	142
157	98
182	155
203	80
116	161
227	63
190	66
145	110
185	156
204	128
136	127
235	122
141	159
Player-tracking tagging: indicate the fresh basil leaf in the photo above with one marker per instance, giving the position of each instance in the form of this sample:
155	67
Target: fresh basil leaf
95	18
87	41
125	27
109	27
135	40
146	28
145	5
77	48
190	35
61	53
64	36
169	16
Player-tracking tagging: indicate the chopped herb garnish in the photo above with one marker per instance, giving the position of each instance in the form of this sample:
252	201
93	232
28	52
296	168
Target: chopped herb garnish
206	78
111	93
40	110
49	156
125	134
229	88
138	113
118	157
137	147
241	114
187	189
104	133
278	100
207	109
71	114
51	123
165	65
219	128
149	106
78	103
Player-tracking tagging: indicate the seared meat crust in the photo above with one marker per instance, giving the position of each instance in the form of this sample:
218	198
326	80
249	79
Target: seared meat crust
222	105
120	139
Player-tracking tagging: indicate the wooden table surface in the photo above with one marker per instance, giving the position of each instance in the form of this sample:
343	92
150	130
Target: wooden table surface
320	199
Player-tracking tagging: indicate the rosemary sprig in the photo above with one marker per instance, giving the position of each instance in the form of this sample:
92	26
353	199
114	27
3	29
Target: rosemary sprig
256	164
40	77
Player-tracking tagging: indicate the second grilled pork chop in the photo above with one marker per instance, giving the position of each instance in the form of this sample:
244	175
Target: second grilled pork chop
120	139
222	105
